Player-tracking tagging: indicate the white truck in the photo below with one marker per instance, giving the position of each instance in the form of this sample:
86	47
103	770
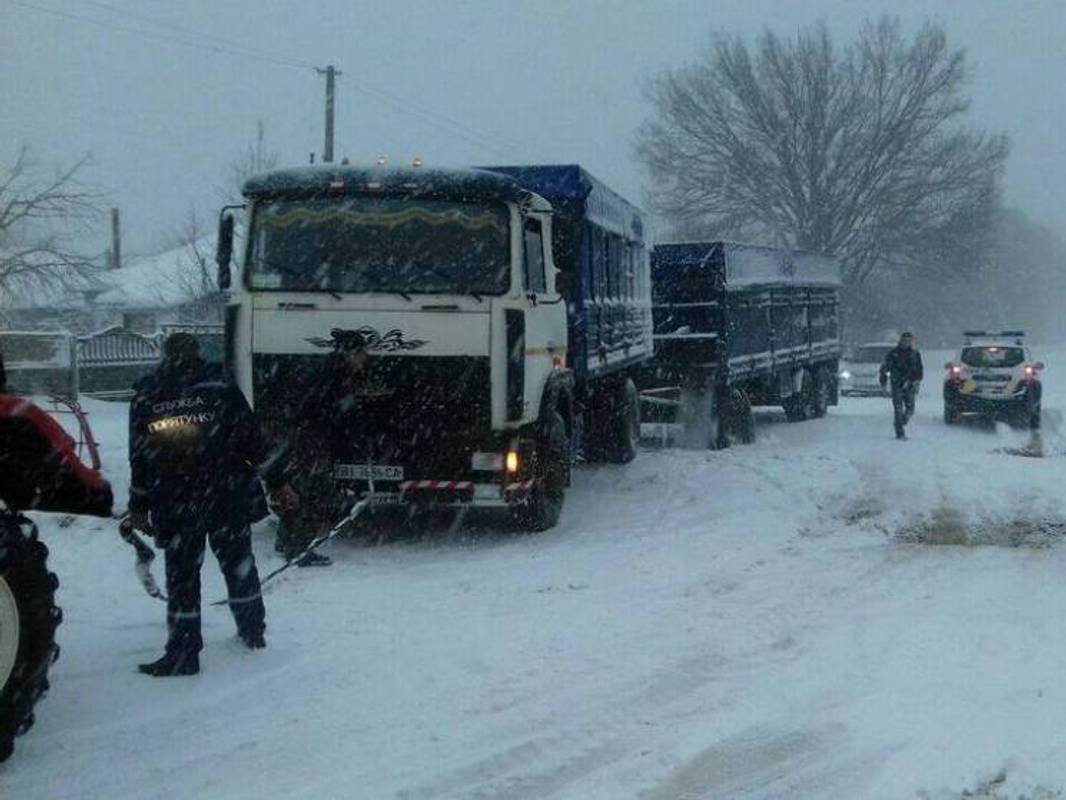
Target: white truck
502	332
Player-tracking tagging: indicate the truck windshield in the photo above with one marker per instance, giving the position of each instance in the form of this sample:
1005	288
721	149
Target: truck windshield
379	244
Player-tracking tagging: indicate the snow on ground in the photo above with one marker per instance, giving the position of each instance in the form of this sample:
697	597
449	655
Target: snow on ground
766	622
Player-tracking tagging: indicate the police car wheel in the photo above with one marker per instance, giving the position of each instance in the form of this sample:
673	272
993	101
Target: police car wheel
28	621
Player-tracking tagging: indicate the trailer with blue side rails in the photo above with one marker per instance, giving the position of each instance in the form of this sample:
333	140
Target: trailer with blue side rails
738	326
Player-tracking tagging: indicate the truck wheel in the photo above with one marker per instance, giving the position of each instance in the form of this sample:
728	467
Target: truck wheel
622	444
823	390
551	472
28	621
800	406
737	420
614	429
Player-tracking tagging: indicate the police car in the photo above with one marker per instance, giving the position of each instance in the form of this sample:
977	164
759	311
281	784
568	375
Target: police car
994	375
860	369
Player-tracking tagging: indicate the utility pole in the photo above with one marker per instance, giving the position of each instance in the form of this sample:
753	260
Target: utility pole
116	241
330	72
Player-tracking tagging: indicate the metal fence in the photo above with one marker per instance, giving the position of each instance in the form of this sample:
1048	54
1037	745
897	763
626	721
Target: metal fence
105	364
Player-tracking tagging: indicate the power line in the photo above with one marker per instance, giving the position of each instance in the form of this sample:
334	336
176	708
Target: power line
219	45
183	40
398	102
190	31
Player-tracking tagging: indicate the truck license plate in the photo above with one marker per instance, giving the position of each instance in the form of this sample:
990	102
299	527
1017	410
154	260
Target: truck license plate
361	472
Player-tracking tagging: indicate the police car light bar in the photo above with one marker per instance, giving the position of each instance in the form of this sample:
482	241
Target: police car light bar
1016	335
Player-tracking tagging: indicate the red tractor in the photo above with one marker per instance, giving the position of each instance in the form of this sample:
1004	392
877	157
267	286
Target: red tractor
39	470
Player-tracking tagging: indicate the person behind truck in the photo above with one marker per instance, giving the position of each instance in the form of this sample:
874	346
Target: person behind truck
196	457
327	418
903	367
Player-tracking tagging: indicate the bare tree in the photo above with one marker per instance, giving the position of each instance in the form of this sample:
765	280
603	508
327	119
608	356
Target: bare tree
194	277
861	152
38	216
255	159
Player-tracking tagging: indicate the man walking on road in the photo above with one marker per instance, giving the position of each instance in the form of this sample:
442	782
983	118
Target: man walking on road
903	367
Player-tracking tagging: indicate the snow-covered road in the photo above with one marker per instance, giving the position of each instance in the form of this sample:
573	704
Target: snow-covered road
765	622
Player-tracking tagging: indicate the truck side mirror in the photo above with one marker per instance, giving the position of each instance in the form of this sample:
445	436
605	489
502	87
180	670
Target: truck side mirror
224	252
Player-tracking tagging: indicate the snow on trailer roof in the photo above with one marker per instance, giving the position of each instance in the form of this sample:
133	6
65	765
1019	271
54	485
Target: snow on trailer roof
575	193
467	183
739	265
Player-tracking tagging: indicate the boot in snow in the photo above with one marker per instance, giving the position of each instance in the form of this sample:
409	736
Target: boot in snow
254	641
172	665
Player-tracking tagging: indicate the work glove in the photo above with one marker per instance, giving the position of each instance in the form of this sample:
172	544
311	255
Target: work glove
139	521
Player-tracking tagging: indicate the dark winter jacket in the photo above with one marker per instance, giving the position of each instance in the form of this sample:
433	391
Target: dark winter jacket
902	366
328	427
195	442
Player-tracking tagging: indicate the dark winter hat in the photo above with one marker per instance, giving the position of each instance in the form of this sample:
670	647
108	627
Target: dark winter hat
906	335
181	347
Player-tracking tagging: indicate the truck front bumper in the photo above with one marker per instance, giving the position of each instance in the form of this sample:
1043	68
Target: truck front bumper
453	493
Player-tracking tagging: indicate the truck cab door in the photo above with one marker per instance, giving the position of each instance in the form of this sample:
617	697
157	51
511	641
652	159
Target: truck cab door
545	310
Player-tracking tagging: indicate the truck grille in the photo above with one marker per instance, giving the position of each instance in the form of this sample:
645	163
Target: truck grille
423	413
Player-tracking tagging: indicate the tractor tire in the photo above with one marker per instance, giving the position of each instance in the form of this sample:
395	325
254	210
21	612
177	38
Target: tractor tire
551	476
28	621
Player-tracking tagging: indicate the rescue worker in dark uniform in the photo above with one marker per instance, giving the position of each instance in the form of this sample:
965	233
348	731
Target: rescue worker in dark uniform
903	367
326	421
196	457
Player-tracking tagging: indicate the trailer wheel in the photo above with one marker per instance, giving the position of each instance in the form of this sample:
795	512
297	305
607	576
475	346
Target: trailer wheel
737	424
28	621
823	390
551	474
800	406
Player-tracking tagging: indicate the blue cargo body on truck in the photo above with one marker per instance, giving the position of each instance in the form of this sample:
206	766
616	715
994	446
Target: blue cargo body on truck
738	326
604	276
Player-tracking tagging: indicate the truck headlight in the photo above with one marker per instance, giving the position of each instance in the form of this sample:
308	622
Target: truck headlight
845	375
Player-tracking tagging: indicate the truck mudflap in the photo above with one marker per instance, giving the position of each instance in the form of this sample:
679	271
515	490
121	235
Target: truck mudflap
454	493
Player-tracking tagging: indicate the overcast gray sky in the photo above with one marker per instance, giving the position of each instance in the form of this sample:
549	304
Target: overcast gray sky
468	81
